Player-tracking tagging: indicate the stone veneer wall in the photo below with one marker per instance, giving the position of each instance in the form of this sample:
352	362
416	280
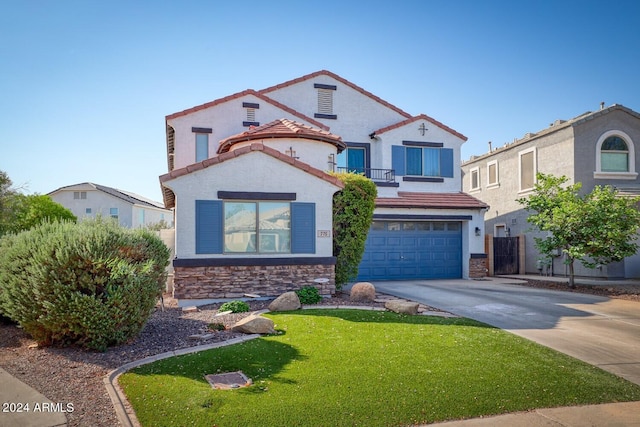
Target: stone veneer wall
236	280
477	267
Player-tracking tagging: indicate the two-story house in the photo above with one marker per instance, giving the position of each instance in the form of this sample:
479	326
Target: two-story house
89	200
595	148
248	177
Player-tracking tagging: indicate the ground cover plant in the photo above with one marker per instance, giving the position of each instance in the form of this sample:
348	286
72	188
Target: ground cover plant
357	367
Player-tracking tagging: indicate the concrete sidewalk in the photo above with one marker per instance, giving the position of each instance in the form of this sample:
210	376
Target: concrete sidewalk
24	407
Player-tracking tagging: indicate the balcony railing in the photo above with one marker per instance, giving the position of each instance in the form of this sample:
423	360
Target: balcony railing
376	175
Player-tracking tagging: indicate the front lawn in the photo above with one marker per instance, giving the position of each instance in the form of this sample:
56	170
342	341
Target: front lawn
368	368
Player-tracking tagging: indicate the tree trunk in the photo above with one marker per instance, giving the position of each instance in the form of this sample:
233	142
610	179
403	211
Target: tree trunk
572	283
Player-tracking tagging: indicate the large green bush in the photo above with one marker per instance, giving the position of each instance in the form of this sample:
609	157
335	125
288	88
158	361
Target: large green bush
92	284
352	215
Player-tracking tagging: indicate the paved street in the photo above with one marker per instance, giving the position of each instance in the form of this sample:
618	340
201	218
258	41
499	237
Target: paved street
598	330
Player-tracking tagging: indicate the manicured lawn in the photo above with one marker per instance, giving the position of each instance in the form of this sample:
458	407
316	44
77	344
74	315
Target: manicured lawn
367	368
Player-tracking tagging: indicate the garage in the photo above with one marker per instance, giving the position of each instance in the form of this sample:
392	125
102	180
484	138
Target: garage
403	250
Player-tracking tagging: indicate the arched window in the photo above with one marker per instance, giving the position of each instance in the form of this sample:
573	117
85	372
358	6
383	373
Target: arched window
614	155
615	158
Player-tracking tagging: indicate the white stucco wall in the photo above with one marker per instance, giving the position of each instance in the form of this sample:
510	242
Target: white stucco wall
314	153
258	172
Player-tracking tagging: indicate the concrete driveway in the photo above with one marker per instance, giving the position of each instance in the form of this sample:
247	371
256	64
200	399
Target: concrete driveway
600	331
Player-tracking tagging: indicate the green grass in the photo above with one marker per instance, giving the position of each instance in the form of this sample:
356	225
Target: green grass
367	368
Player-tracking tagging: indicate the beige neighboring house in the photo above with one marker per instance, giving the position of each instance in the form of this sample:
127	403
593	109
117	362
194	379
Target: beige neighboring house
88	200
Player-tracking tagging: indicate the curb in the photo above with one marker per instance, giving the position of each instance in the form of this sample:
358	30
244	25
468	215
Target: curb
128	418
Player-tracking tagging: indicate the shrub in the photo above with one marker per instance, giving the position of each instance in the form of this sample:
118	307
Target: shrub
352	215
309	295
234	306
216	326
92	284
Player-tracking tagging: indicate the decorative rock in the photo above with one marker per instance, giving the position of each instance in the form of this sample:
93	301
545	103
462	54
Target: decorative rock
222	313
363	292
402	307
254	324
285	302
191	309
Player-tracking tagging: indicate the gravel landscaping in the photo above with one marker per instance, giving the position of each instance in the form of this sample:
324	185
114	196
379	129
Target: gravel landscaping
71	375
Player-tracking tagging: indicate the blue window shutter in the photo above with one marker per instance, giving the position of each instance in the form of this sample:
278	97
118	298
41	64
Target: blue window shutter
446	162
397	159
303	228
209	227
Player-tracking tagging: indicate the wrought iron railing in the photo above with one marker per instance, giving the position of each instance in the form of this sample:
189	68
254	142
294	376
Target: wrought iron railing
379	175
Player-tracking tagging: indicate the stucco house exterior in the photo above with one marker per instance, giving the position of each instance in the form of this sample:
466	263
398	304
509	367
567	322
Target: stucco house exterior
88	200
595	148
247	175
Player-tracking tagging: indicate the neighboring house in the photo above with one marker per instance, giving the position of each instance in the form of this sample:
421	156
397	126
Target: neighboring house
88	200
248	179
595	148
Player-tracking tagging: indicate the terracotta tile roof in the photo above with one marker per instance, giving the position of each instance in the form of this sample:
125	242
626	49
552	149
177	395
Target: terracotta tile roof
340	79
282	128
240	95
431	200
421	117
169	196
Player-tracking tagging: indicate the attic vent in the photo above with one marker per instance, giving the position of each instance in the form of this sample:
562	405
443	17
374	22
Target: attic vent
325	101
251	114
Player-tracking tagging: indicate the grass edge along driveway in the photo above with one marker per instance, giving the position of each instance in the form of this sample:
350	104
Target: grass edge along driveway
370	368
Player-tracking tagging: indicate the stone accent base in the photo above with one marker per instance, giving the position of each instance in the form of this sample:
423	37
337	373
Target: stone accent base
477	267
237	280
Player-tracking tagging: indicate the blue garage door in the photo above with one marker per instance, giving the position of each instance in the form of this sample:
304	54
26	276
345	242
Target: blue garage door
401	250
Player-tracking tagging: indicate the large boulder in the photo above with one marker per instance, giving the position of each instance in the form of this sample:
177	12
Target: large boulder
286	302
254	324
363	292
402	307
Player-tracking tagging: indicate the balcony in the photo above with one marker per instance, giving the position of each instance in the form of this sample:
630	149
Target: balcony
376	175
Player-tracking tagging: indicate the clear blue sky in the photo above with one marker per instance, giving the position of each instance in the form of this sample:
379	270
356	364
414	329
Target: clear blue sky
85	85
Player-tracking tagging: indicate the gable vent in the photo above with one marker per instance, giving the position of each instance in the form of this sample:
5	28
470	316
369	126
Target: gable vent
251	114
325	101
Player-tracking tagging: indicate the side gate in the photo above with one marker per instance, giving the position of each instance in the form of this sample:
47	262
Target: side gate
505	255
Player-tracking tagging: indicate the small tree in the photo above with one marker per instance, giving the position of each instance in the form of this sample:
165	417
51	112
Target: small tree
35	209
596	228
352	215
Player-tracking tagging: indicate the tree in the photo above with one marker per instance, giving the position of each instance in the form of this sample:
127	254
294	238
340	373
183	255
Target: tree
7	202
595	228
35	209
352	215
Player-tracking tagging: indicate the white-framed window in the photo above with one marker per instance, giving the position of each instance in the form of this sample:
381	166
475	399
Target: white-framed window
475	178
615	156
80	195
113	213
493	180
87	211
527	169
257	227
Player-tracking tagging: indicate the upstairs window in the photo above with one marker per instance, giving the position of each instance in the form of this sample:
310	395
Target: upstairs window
325	101
527	168
492	173
202	147
475	178
353	159
80	195
423	161
202	142
615	156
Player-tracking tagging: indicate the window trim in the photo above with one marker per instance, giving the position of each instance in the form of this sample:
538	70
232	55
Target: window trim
631	158
497	181
475	171
534	167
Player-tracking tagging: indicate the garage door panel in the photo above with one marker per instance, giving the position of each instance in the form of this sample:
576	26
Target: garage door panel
418	250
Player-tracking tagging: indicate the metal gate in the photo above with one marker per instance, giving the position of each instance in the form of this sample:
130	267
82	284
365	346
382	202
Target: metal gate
505	255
